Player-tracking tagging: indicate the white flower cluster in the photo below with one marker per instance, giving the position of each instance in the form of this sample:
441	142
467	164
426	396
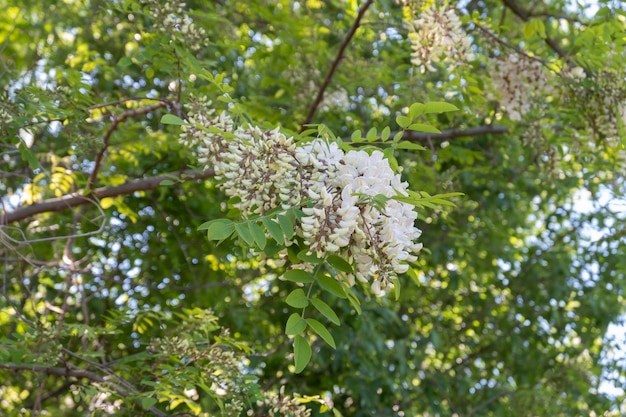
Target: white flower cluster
519	81
172	19
379	240
437	37
257	166
101	403
346	198
338	99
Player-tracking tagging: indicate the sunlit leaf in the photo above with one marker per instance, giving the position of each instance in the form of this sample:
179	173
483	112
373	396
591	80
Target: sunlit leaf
403	121
218	229
439	107
422	127
295	325
297	299
170	119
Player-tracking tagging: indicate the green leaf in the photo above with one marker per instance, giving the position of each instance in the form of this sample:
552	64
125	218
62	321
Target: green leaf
302	353
148	402
541	29
258	235
166	182
356	136
403	121
298	275
243	231
28	155
297	299
124	62
331	285
410	145
311	258
170	119
286	224
322	332
529	29
339	264
423	127
295	325
416	110
371	134
274	230
396	288
218	229
384	135
354	301
325	310
439	107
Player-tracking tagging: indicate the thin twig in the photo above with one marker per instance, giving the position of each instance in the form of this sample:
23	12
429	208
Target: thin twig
525	15
335	64
107	136
506	44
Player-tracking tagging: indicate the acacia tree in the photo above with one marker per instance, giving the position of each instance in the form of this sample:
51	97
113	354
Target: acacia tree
319	146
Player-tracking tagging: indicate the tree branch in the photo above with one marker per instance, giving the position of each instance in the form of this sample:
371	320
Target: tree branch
107	136
525	15
335	64
78	198
76	373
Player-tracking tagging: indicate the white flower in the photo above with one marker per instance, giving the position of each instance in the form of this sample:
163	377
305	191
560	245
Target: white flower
378	242
519	82
335	190
437	37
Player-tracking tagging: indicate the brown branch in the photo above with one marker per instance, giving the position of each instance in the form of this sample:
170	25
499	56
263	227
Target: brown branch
525	15
76	373
335	64
107	136
79	198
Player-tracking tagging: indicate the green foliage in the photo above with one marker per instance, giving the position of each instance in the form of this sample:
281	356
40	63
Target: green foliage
132	286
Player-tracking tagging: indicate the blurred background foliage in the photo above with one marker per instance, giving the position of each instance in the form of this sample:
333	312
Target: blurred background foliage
511	310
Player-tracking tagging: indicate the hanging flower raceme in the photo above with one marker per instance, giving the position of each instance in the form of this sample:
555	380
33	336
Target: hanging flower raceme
346	198
520	82
437	37
378	238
